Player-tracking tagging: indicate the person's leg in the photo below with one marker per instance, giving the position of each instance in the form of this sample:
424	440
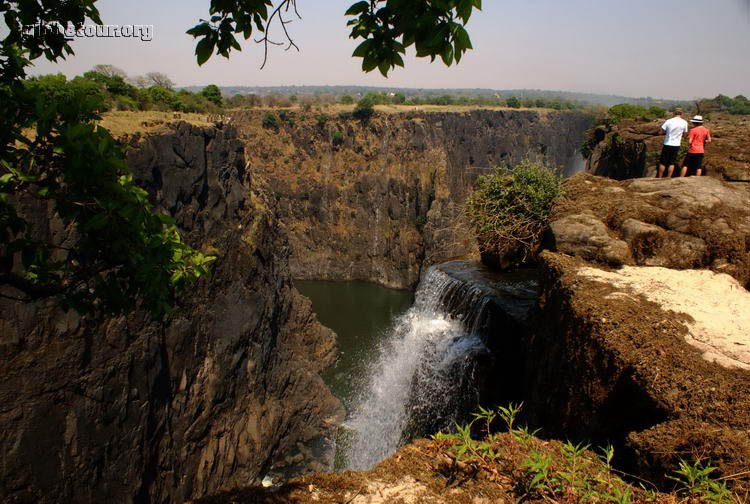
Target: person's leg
671	171
688	165
699	165
663	161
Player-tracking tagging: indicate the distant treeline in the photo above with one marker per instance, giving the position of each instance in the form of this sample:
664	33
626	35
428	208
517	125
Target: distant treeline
274	100
739	105
326	93
107	88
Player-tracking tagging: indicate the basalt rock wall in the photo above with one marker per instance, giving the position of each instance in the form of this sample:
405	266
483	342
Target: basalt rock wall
377	200
222	392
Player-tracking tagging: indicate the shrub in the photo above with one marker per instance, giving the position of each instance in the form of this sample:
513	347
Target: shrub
657	112
287	117
270	120
212	93
338	138
513	102
740	108
125	103
322	120
509	211
365	108
347	100
626	111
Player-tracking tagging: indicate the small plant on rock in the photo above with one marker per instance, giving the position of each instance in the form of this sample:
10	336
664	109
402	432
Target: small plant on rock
696	482
365	109
337	138
270	120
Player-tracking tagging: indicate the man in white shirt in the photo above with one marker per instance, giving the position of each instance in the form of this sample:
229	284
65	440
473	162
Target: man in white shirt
673	129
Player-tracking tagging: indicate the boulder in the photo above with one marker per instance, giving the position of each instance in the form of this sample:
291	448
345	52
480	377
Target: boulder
693	222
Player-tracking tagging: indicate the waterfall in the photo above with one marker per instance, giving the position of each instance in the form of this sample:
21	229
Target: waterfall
576	164
424	375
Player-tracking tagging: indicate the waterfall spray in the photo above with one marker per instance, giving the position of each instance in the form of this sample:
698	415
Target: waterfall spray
423	370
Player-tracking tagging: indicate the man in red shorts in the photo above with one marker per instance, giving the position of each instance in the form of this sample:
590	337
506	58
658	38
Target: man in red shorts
697	138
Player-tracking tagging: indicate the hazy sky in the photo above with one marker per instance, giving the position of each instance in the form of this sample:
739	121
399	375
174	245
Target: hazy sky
667	48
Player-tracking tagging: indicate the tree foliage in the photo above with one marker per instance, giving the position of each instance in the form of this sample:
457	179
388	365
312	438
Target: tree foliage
212	93
115	250
436	28
159	79
627	111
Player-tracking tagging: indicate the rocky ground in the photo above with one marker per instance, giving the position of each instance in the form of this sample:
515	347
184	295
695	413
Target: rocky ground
511	468
631	149
646	280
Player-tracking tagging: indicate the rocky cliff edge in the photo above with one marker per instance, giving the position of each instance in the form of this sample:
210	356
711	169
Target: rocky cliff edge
223	392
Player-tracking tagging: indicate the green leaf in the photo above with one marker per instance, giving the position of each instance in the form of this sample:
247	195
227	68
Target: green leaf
97	222
166	219
464	10
358	8
447	56
462	37
369	64
362	49
384	67
204	49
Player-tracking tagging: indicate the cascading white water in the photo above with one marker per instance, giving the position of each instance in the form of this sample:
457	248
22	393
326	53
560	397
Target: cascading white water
415	366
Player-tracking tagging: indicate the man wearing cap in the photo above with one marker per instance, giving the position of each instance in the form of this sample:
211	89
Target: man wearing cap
697	137
673	129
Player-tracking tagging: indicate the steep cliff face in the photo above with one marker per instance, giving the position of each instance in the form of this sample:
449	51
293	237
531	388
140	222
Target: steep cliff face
222	392
376	200
641	358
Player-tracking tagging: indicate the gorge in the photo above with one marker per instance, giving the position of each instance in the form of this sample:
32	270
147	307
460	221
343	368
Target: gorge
228	390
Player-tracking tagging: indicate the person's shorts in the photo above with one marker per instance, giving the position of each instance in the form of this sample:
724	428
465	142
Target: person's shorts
694	162
669	155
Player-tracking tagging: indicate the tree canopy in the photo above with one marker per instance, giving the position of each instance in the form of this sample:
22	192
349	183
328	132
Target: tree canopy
119	251
387	27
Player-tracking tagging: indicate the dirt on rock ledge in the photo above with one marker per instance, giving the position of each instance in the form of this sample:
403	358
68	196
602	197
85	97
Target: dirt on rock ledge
641	333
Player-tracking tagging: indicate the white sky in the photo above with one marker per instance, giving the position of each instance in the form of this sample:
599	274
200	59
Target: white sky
667	48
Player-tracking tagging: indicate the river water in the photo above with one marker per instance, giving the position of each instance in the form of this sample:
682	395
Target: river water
408	366
361	314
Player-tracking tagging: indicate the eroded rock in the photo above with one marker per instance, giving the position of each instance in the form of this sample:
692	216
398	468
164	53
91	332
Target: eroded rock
652	359
225	390
682	223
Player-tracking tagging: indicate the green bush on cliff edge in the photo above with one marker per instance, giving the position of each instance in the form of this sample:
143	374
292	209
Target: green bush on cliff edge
509	211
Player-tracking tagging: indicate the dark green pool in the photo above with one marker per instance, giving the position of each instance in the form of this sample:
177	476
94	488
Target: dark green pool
359	313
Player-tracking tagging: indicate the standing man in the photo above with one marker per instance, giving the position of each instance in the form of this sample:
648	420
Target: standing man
673	129
697	137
